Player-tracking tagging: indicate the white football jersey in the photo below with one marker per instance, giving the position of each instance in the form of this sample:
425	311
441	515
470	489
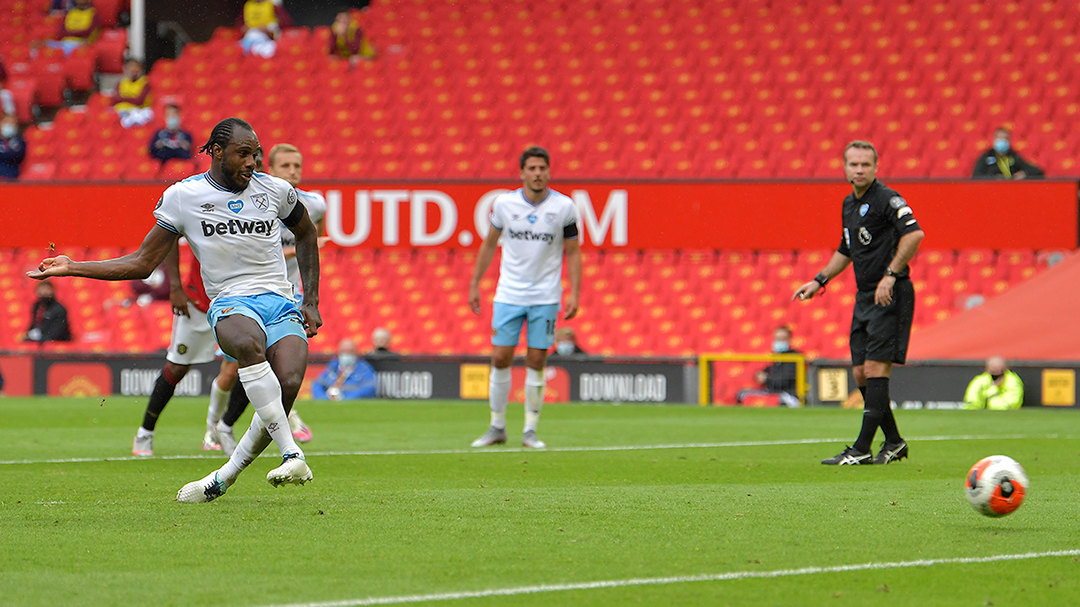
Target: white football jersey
316	208
236	236
530	273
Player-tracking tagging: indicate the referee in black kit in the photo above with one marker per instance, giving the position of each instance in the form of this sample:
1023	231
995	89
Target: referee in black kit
880	237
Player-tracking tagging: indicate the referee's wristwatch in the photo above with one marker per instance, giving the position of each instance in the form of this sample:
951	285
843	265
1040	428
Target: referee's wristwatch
889	272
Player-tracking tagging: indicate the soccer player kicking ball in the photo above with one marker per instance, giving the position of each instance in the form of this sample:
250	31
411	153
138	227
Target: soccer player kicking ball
232	220
536	224
880	238
286	163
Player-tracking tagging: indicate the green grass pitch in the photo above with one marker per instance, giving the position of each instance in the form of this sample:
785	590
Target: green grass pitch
654	505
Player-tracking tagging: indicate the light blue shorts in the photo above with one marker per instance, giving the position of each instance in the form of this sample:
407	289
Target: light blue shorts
506	322
278	316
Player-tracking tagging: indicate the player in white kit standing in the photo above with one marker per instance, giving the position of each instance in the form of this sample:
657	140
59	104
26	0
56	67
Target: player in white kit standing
536	225
232	220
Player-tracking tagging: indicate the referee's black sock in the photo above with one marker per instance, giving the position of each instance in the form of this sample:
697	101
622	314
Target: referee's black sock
238	401
159	397
888	421
876	403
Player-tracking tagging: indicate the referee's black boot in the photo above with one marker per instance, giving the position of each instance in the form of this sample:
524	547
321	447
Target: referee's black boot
850	456
891	452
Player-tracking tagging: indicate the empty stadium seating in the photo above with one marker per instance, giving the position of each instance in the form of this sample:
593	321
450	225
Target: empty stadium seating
659	88
649	303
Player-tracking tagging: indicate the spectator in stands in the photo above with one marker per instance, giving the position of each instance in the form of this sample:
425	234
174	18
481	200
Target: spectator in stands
48	317
346	377
171	142
132	98
79	26
347	39
566	344
7	102
1002	162
998	388
261	22
12	148
380	344
779	377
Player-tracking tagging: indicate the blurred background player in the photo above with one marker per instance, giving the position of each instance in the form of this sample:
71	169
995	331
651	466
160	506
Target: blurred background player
536	224
879	239
132	100
286	162
261	22
347	39
192	342
347	377
997	388
80	25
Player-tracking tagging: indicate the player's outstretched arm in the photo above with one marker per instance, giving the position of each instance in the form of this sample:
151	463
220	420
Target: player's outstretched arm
135	266
573	272
483	260
307	257
836	265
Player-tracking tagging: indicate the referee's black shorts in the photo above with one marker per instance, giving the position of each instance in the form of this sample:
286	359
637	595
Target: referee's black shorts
881	333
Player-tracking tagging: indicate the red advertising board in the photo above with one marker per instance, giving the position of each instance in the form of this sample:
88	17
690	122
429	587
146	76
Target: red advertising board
639	215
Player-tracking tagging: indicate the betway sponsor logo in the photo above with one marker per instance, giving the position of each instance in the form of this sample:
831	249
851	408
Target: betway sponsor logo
530	235
235	226
403	384
140	382
430	218
623	387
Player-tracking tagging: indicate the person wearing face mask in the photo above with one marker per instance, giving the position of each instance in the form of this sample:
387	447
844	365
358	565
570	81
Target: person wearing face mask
48	317
998	388
566	344
1002	162
12	148
171	142
347	377
778	378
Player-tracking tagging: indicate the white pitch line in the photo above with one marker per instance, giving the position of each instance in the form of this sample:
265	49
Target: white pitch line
496	451
661	581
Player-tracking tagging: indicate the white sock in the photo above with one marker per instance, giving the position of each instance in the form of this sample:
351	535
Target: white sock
144	433
499	395
219	399
534	397
264	390
221	427
253	443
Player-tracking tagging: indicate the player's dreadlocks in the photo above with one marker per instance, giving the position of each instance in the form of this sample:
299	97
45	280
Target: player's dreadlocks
222	133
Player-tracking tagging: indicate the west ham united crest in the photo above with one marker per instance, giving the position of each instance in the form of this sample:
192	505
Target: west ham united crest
260	201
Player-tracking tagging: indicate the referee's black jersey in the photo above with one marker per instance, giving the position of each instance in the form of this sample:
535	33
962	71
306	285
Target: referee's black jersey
873	226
